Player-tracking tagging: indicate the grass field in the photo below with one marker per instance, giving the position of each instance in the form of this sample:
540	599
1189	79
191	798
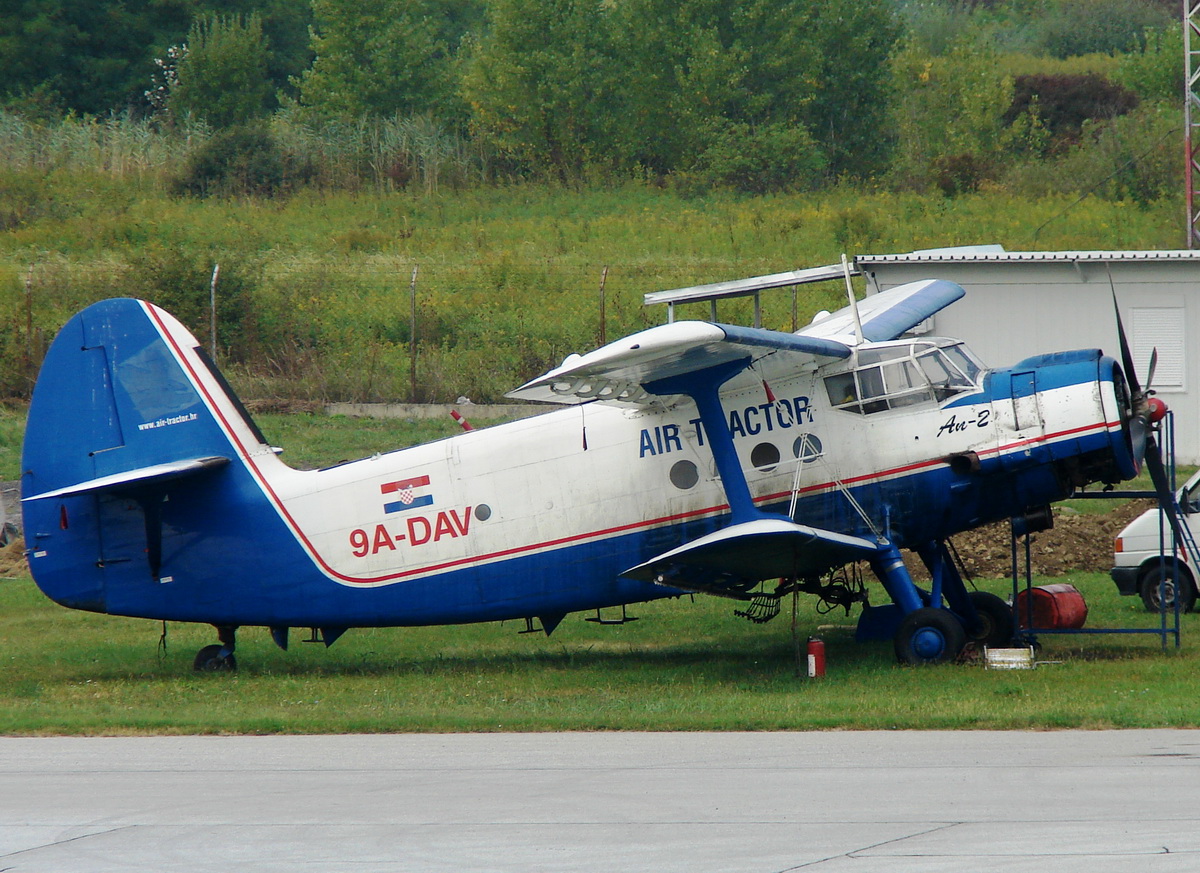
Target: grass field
682	666
313	296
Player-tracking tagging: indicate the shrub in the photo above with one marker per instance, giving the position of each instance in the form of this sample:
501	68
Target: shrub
960	174
772	157
1133	157
1063	102
245	160
951	107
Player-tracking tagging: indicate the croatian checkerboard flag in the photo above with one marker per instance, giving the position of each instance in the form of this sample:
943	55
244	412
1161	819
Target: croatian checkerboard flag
406	496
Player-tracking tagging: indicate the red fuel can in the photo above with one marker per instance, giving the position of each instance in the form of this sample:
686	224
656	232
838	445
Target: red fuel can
816	658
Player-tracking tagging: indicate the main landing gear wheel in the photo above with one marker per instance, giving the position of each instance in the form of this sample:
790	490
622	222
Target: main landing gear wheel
210	660
995	627
1162	579
929	636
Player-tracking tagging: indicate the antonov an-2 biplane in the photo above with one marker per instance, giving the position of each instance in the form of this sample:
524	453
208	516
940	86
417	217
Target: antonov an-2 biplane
692	457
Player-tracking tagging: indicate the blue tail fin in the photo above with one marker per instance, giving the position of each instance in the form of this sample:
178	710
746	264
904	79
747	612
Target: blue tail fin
126	404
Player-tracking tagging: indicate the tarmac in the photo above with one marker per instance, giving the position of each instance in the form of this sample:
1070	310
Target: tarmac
1070	801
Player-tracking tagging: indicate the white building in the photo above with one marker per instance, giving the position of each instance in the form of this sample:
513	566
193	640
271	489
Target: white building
1020	304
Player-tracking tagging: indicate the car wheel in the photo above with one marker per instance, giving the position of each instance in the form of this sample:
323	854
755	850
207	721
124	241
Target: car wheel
1158	583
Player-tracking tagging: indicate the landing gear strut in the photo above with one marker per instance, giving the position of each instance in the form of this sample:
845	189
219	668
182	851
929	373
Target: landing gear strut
218	658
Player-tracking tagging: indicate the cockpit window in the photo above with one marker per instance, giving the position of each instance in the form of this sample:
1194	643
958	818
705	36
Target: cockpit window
903	375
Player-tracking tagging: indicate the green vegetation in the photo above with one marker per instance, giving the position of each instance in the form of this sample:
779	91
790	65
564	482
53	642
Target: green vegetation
682	666
915	94
514	150
313	293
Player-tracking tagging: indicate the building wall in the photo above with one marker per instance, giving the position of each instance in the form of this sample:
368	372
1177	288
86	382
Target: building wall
1017	308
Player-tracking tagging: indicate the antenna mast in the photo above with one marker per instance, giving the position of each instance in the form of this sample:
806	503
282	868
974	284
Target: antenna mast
1191	108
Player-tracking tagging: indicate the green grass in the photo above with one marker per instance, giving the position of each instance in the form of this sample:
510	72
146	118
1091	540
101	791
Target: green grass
12	431
313	440
308	440
682	666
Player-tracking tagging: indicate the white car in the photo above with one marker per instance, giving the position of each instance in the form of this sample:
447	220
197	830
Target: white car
1141	567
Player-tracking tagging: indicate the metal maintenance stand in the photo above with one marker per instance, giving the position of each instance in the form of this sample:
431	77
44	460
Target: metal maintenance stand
1166	629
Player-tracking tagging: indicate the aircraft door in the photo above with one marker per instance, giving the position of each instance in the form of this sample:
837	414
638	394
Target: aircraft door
1019	420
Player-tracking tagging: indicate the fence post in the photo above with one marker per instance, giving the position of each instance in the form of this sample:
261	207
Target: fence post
212	306
28	368
603	326
412	337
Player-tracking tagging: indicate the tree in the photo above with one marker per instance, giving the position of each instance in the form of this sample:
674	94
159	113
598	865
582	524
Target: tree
395	57
540	85
651	84
96	56
850	89
89	56
223	76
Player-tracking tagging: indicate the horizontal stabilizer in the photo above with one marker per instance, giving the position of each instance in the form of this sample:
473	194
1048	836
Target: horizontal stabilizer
617	372
888	314
766	548
130	479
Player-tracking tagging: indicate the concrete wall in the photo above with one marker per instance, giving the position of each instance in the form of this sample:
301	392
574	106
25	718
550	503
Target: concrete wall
423	411
1017	308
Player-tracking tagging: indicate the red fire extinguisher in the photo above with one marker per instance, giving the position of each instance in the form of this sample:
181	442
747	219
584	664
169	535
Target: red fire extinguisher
816	658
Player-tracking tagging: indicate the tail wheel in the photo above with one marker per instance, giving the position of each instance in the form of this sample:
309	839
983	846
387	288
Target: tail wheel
929	636
1158	585
995	626
210	660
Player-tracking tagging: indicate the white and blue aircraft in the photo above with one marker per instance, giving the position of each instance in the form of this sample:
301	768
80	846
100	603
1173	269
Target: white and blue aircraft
693	457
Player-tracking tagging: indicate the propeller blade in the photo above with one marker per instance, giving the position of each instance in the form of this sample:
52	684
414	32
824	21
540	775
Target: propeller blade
1126	355
1150	371
1137	439
1166	497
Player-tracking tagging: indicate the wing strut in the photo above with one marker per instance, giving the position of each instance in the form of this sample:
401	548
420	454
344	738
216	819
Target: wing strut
704	387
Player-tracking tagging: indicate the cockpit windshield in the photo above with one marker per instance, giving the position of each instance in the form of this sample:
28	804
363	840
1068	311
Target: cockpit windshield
904	374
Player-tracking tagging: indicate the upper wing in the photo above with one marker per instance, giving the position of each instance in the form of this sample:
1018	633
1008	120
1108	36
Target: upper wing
888	314
617	372
766	548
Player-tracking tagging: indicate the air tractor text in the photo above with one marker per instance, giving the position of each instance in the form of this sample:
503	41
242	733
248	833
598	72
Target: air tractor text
751	421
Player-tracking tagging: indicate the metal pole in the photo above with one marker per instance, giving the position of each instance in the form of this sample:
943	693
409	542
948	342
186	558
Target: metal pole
412	337
212	308
853	300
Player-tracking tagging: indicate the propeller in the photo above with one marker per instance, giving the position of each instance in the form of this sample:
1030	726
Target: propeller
1146	411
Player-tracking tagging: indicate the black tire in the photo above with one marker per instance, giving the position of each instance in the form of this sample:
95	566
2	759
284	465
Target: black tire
929	636
1148	587
209	660
995	626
